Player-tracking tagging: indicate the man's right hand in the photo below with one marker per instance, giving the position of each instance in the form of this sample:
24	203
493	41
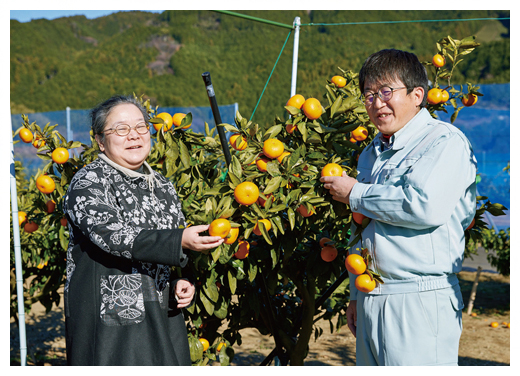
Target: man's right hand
352	316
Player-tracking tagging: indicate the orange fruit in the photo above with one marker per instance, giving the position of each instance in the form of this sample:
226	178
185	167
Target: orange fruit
471	224
438	60
358	218
290	128
353	140
355	264
30	227
51	205
273	148
243	250
38	142
329	253
282	156
365	283
494	324
168	121
469	100
267	224
296	100
220	346
261	163
360	133
233	142
312	108
302	209
246	193
63	222
177	119
434	96
508	325
22	217
323	241
45	184
26	135
339	81
205	343
60	155
473	314
332	169
261	201
232	236
42	264
445	96
219	227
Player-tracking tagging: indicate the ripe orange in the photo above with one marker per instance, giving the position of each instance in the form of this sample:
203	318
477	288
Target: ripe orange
296	100
232	236
508	325
219	227
26	135
312	108
246	193
177	119
233	142
358	218
494	324
290	128
205	343
445	96
353	140
51	205
261	163
168	121
261	201
355	264
323	241
60	155
473	314
332	169
30	227
438	60
329	253
365	283
360	133
267	224
470	100
45	184
243	250
273	148
220	346
22	217
434	96
38	142
42	264
63	222
471	224
339	81
302	209
282	156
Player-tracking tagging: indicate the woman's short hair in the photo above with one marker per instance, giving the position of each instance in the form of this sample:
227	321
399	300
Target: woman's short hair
391	65
99	114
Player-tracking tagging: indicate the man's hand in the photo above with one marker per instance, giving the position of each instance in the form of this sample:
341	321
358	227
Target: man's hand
184	292
352	316
339	186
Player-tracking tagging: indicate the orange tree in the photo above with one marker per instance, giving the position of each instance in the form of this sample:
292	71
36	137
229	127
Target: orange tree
272	277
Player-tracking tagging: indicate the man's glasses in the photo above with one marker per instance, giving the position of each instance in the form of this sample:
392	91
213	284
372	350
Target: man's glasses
124	129
385	94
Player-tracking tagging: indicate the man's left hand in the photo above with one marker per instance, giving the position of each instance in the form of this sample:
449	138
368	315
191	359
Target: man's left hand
339	186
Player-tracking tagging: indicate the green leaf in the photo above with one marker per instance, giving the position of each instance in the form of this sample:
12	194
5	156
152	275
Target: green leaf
229	128
185	154
335	106
252	272
277	208
221	310
208	304
232	282
291	216
235	167
273	185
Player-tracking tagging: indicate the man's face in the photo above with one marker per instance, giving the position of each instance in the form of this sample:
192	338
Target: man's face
394	114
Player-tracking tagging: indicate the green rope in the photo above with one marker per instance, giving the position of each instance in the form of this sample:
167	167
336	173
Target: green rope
390	22
270	76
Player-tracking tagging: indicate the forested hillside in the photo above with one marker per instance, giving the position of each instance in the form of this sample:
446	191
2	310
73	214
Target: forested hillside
78	62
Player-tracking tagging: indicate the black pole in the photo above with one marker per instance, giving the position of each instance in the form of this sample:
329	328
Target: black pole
216	115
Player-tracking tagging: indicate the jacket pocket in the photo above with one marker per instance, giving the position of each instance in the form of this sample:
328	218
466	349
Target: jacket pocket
122	300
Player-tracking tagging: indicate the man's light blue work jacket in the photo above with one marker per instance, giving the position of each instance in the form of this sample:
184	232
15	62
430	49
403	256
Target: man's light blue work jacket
420	194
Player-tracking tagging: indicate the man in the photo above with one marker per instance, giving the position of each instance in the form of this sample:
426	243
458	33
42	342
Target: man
416	182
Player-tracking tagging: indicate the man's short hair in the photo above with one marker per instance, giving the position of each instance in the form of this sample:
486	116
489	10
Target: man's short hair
390	65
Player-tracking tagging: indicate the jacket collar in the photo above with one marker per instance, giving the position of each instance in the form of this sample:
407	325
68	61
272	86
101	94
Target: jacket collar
400	138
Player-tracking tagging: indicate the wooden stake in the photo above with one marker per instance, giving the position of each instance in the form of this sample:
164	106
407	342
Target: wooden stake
473	291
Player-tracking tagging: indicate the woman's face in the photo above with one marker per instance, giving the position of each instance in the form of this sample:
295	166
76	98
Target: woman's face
129	151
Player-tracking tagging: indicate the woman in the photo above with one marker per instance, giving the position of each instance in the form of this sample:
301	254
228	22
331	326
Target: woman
121	305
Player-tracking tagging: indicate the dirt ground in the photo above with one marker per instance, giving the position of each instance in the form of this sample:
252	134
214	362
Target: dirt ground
480	344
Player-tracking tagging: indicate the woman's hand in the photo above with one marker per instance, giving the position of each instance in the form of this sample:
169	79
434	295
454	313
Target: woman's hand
184	292
192	240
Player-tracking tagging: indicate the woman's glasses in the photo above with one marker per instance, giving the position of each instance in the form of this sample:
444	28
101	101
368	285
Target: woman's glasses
124	129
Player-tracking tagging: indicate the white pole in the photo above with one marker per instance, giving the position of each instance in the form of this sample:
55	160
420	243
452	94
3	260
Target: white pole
69	130
295	54
17	256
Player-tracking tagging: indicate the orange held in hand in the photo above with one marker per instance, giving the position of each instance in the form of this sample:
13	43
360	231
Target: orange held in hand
243	250
329	253
365	283
60	155
45	184
233	141
246	193
312	108
273	148
332	169
220	227
267	224
355	264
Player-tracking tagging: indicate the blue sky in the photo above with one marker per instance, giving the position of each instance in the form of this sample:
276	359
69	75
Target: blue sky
28	15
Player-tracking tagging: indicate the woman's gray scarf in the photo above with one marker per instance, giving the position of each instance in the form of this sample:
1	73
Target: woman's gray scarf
148	175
